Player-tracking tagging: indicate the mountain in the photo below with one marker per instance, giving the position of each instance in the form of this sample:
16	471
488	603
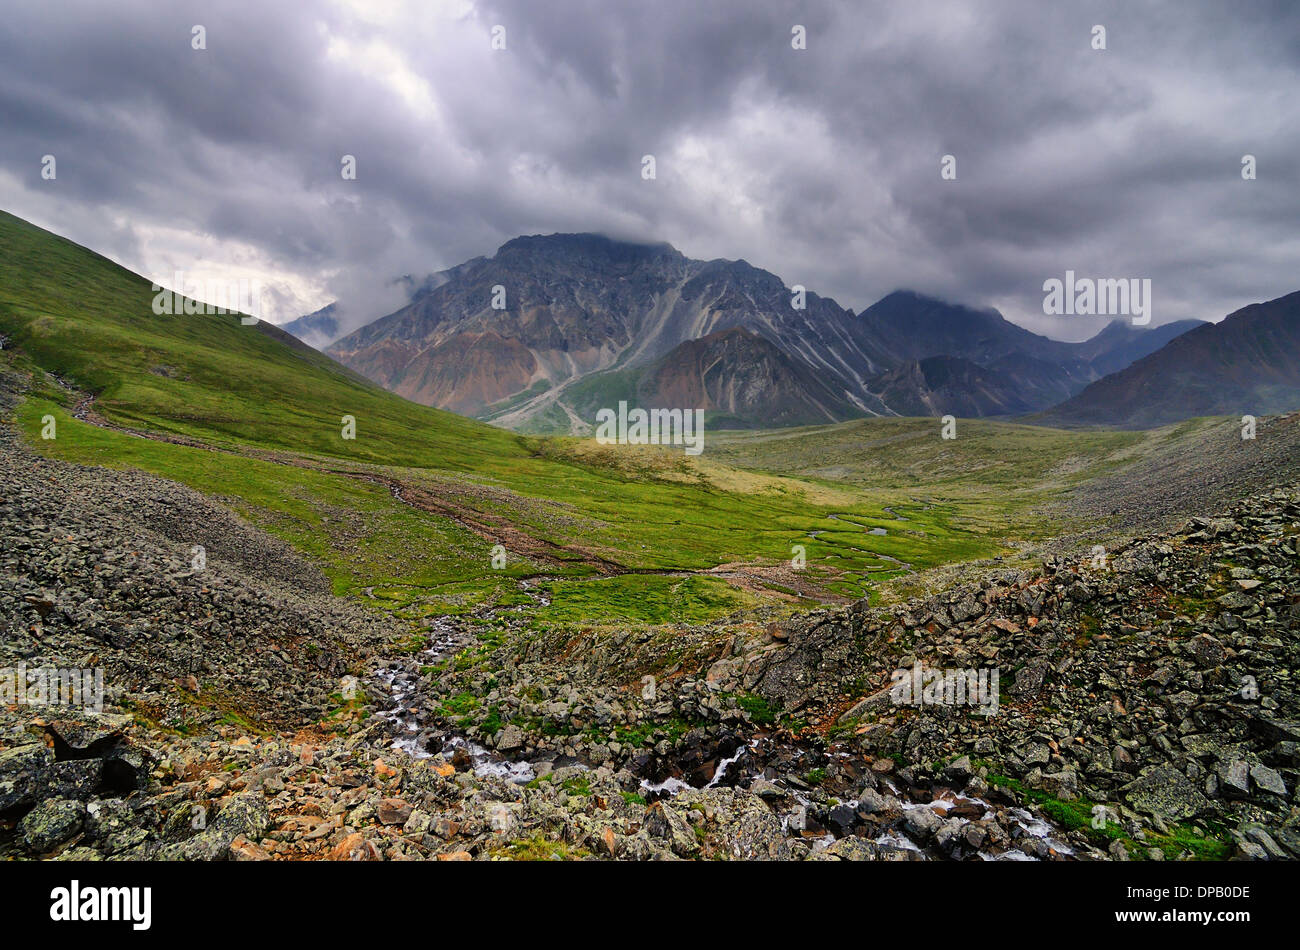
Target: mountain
1040	371
1121	344
911	326
577	304
1247	364
580	319
318	329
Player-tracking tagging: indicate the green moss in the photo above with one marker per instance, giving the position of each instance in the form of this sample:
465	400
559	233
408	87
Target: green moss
644	733
491	724
577	785
462	704
760	710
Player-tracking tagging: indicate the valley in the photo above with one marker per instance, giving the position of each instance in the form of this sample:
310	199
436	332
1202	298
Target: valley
655	672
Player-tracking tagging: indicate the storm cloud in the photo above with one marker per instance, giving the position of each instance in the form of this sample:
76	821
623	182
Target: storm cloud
820	164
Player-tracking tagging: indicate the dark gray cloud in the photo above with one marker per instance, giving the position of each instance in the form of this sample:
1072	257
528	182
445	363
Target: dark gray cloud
820	164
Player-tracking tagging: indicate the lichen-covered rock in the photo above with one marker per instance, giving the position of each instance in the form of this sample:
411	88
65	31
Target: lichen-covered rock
23	774
1165	792
51	823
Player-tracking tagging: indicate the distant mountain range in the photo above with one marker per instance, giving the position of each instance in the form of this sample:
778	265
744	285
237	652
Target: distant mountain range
1248	364
585	321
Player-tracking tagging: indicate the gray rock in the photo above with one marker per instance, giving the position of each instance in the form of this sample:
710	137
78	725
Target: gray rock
1262	838
510	739
1234	778
51	823
923	822
1207	650
1063	785
1165	792
107	817
1268	780
23	774
853	849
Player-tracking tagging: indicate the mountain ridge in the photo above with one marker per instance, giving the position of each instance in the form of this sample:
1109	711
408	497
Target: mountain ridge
513	337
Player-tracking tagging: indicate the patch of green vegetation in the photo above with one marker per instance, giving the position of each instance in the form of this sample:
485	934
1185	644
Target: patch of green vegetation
540	848
999	459
577	785
648	598
842	730
462	704
795	724
179	724
1089	626
761	712
347	707
416	643
491	724
644	733
232	718
1193	607
815	777
233	712
1213	846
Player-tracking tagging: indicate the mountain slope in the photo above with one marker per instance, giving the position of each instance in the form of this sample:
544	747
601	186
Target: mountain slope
91	322
740	375
1247	364
913	327
736	376
944	385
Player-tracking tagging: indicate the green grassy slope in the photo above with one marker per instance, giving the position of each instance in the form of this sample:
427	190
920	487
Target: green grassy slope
987	458
80	316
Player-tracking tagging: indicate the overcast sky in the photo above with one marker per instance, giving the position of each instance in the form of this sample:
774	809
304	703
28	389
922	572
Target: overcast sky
821	165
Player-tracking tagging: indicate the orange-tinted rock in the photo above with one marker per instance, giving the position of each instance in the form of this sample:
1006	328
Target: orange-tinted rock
241	849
